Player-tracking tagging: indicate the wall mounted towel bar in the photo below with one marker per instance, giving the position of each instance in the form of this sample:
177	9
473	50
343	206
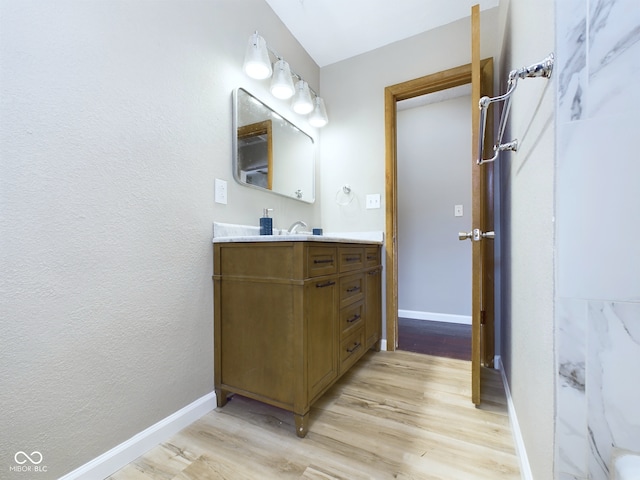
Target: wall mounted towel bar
541	69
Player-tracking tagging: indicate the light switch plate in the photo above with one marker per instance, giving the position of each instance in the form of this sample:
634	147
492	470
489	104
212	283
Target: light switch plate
373	200
457	211
221	191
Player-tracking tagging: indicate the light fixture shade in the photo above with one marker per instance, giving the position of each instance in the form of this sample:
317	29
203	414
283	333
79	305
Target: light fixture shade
302	102
319	116
256	59
281	82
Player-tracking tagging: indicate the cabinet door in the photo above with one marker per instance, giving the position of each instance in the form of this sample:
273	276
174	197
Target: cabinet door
321	313
373	307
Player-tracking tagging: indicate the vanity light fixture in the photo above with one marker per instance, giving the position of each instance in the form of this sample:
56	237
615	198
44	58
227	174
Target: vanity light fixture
302	102
319	116
256	58
281	82
257	64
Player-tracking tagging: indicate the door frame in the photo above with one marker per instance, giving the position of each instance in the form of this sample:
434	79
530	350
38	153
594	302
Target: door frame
443	80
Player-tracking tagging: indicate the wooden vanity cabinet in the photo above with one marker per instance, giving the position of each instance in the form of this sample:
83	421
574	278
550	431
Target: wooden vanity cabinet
291	317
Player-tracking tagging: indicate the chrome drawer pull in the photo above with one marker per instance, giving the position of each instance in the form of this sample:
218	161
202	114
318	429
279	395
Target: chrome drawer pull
330	260
353	289
356	346
353	319
325	284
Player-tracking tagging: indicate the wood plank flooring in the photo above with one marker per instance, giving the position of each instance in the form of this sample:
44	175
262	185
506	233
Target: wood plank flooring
394	415
451	340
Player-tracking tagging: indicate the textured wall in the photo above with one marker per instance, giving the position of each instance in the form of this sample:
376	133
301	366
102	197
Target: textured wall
353	149
115	120
527	230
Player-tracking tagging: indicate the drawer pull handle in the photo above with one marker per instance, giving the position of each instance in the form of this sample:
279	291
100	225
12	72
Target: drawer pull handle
329	260
325	284
353	319
355	347
352	259
372	257
353	289
374	272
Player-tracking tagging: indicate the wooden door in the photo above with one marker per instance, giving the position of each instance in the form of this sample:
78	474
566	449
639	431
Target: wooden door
482	303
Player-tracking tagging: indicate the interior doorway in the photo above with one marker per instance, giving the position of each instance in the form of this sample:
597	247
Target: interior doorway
434	204
437	82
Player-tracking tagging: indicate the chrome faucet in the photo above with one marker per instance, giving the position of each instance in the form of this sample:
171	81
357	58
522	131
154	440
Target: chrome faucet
295	225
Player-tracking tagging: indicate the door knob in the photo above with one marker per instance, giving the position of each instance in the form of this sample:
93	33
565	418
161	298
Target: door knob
476	235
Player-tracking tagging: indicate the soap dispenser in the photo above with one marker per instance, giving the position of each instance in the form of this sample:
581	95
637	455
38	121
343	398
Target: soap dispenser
266	222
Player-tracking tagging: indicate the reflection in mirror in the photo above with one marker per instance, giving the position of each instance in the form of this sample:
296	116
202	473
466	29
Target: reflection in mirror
255	154
270	152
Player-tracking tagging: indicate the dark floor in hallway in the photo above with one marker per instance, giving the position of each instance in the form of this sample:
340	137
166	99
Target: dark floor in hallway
451	340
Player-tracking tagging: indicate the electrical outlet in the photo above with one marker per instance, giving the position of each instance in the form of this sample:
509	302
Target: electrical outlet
373	200
457	211
221	191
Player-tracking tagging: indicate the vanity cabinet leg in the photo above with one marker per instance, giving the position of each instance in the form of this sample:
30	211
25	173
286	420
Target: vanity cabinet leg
302	424
221	397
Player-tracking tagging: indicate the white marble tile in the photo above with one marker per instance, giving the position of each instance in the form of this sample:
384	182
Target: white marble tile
613	382
613	57
568	476
571	58
571	427
597	205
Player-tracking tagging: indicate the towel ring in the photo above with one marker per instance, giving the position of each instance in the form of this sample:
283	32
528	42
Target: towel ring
344	196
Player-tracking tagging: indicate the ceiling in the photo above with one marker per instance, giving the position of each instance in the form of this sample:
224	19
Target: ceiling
333	30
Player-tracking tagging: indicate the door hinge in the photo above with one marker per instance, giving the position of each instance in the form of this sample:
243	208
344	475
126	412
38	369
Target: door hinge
482	317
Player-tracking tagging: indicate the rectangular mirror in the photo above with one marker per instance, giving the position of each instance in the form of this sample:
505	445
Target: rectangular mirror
269	152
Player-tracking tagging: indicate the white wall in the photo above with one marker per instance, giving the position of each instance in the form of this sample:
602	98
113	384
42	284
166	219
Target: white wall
434	172
527	231
115	120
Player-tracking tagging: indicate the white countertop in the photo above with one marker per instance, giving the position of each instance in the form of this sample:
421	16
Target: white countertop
224	233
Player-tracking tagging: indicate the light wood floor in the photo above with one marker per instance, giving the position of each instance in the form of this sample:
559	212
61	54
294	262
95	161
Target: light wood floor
395	415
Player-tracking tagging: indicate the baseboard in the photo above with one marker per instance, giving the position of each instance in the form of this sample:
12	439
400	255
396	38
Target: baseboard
383	345
435	317
521	452
123	454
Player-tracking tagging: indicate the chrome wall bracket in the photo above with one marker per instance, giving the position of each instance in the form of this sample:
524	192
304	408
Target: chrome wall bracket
541	69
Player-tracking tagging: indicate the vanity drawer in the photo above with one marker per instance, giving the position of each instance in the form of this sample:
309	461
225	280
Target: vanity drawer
371	256
351	289
351	349
351	318
321	261
351	258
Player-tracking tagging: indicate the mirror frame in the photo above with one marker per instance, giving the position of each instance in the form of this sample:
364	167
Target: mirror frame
260	128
